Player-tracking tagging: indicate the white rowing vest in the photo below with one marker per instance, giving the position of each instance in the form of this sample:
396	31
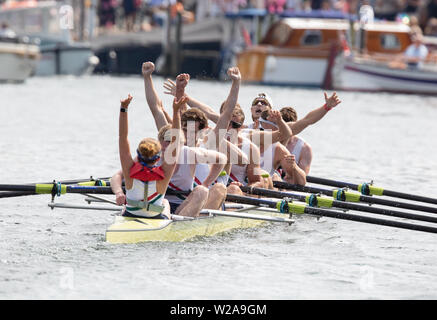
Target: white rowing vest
239	173
297	149
202	170
143	199
182	179
267	158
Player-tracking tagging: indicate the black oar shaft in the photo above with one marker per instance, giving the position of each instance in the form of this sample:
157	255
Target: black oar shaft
336	214
388	193
340	204
366	199
371	220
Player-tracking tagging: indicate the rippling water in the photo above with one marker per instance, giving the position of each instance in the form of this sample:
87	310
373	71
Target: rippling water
67	128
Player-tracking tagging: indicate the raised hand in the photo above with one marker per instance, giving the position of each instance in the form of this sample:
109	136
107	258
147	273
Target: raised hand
125	102
182	81
148	68
234	73
332	101
179	104
274	116
170	86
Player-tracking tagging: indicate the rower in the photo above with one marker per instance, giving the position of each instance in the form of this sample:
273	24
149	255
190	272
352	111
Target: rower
274	155
194	124
146	181
261	103
297	146
243	172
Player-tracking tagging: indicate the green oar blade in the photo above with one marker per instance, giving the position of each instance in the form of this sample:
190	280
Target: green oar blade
342	195
369	189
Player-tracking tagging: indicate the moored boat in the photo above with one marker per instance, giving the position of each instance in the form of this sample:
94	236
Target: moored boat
366	74
294	51
18	60
374	67
49	24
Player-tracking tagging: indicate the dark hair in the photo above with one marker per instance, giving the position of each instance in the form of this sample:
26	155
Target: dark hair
195	114
288	114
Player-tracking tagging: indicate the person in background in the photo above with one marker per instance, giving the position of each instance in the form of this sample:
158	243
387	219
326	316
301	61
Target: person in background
6	32
106	12
388	9
416	53
130	8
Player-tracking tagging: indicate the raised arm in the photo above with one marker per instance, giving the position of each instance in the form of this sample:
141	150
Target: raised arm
123	142
153	100
316	114
231	101
175	145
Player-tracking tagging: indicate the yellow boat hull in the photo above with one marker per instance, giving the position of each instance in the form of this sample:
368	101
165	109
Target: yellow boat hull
134	230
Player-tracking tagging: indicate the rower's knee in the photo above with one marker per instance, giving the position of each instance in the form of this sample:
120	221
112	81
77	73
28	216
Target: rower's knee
234	189
200	193
219	189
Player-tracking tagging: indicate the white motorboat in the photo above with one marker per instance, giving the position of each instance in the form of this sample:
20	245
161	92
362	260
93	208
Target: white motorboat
18	60
49	24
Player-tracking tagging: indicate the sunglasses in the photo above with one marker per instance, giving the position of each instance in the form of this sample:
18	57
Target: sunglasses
263	102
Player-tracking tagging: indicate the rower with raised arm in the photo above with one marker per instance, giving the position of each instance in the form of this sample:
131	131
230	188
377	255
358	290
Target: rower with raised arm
154	102
246	169
146	180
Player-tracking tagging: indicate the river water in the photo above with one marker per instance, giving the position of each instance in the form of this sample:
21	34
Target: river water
67	128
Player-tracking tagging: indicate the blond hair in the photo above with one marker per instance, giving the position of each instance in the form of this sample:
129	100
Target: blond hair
149	147
162	131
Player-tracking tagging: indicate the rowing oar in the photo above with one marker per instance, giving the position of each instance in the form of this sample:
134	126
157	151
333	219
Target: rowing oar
315	201
368	189
89	181
291	207
56	188
344	195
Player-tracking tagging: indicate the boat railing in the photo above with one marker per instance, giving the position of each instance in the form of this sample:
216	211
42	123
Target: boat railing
387	61
316	51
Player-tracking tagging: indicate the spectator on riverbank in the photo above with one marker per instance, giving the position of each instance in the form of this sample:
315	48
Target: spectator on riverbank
130	8
388	9
106	13
6	32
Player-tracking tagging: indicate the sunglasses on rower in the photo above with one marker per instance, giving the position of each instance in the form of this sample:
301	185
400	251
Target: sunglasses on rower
263	102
